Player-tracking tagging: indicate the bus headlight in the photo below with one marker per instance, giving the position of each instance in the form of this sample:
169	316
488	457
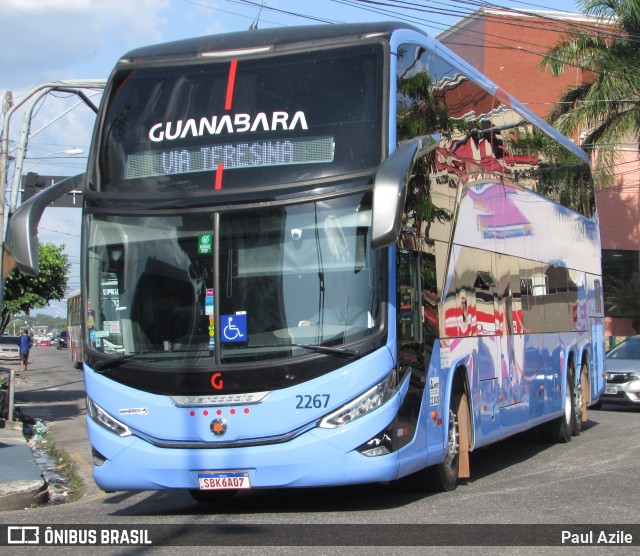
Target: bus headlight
371	400
105	420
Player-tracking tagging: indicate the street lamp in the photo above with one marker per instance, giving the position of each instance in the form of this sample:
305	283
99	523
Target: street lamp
14	324
71	152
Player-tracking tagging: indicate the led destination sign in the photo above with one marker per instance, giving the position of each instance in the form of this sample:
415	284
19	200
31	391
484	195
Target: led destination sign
248	154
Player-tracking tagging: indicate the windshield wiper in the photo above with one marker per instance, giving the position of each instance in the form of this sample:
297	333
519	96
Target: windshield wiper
343	352
346	352
102	366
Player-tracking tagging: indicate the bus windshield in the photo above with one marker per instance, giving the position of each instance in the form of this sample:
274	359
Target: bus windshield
280	280
243	124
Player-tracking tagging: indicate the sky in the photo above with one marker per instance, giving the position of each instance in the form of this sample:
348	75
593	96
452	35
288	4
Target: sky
58	40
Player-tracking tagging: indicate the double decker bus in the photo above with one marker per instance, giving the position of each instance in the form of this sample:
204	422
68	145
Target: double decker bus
326	255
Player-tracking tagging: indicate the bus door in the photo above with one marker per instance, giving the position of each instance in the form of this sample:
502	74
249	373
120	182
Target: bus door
411	350
409	310
418	325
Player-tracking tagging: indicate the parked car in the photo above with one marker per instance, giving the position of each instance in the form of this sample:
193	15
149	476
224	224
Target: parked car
44	343
63	340
622	365
9	347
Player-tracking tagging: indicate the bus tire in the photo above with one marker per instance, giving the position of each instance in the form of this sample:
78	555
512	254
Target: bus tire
443	477
580	402
560	430
212	496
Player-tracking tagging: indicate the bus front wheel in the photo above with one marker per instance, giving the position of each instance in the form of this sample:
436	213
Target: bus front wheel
443	477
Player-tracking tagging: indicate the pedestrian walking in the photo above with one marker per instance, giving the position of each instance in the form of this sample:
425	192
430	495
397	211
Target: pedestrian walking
25	342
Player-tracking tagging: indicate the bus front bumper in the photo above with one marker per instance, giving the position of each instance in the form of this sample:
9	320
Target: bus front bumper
316	458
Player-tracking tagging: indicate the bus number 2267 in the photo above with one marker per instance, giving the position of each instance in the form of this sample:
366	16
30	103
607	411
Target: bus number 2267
312	402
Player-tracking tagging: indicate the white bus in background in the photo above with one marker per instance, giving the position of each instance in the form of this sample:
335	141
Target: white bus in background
74	328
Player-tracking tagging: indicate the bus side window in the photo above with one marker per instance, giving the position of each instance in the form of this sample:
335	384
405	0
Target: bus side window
578	299
430	311
516	301
409	305
531	286
465	275
503	297
557	311
484	288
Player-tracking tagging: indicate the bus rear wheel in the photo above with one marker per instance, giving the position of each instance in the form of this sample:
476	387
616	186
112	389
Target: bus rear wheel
580	402
562	428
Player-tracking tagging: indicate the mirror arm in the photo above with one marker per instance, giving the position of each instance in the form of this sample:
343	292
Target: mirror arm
390	188
23	224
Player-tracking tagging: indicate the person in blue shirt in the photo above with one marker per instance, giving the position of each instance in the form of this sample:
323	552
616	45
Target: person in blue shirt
25	343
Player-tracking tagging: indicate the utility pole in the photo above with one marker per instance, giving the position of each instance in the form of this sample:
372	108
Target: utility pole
7	104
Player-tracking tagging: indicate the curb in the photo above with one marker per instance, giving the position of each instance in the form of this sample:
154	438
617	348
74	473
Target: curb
21	482
21	495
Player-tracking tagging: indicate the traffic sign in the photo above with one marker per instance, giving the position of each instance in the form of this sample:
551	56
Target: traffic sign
33	183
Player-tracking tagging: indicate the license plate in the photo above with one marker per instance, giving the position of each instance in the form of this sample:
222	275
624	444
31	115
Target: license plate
223	480
611	390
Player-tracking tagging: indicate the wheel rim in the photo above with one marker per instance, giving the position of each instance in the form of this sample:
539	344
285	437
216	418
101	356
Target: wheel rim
453	445
577	408
567	404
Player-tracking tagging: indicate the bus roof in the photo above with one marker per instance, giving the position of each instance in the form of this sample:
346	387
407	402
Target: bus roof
275	37
279	38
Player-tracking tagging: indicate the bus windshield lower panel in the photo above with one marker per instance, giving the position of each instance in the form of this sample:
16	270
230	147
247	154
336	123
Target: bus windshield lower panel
247	286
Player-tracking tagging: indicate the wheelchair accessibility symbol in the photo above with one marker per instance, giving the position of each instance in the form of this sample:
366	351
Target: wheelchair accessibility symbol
234	328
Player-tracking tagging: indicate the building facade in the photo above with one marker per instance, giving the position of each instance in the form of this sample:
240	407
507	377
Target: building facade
507	46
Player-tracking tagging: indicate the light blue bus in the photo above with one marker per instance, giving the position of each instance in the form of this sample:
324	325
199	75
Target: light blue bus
326	255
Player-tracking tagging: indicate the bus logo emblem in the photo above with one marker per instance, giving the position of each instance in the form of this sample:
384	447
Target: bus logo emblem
216	381
218	427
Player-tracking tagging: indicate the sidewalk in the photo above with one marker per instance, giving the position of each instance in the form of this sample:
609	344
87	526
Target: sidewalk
21	481
54	393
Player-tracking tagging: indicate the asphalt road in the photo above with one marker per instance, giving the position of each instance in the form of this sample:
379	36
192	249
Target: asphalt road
591	480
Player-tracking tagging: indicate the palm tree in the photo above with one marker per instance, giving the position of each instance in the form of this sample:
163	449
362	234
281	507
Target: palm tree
606	108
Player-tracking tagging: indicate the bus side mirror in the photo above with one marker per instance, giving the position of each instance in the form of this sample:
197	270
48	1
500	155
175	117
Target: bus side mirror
22	231
390	188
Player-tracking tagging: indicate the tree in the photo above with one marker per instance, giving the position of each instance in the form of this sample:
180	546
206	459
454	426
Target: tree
419	114
607	107
560	175
24	293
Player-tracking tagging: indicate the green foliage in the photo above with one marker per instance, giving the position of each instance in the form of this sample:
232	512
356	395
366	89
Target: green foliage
24	293
606	109
422	114
561	175
425	113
